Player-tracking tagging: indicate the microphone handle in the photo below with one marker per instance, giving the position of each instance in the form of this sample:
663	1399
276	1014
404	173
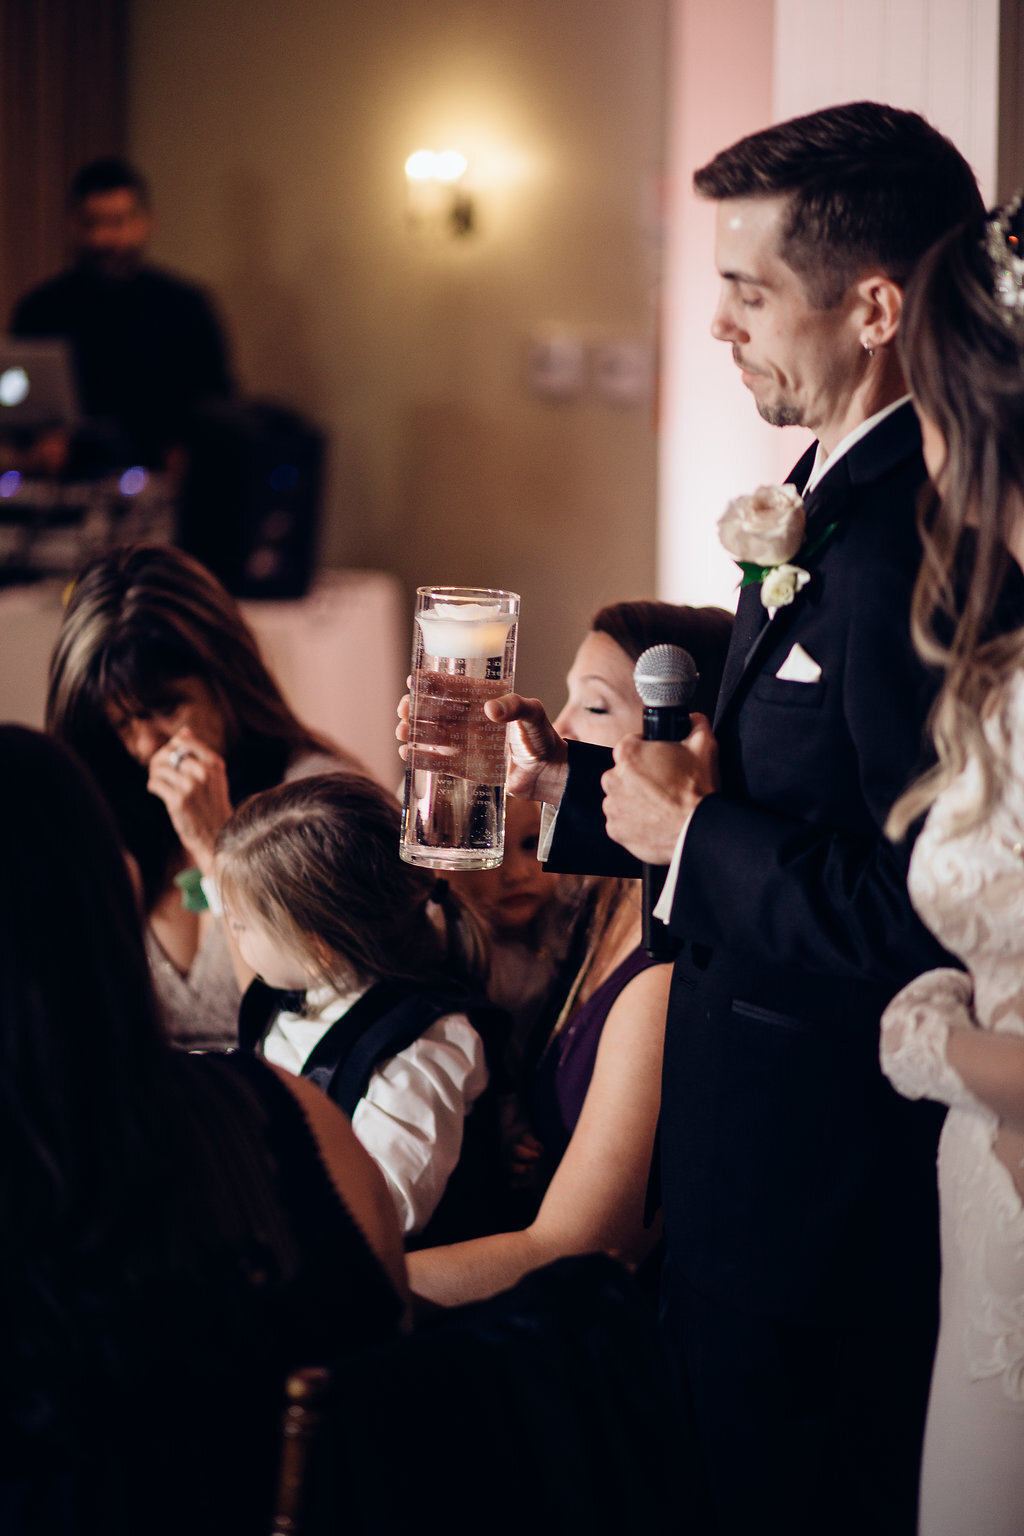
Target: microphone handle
664	723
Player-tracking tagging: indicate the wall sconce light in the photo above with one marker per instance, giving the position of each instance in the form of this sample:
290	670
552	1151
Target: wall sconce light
436	200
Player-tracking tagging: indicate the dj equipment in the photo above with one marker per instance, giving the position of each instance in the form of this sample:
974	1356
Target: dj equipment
249	507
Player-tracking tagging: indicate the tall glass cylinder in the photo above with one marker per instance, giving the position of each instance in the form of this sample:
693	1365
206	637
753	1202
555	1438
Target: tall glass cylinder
463	653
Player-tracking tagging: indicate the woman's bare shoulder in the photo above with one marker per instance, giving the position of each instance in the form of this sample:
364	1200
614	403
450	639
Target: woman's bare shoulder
645	996
356	1177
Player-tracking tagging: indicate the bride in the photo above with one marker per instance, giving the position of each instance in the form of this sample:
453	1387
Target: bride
958	1035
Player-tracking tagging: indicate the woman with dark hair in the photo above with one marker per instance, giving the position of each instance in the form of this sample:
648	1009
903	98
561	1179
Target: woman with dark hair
157	683
957	1036
637	625
595	1090
178	1230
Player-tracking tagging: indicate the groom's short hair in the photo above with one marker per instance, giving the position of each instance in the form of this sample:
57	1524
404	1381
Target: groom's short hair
869	186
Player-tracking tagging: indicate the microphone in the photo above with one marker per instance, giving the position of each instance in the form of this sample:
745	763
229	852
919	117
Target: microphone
666	679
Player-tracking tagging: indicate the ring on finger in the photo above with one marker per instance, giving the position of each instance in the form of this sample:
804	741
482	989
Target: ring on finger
177	757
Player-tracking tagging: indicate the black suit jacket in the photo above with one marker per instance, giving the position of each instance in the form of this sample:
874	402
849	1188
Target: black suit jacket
794	1180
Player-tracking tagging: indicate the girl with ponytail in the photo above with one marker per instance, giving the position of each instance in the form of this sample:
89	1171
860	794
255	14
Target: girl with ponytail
370	982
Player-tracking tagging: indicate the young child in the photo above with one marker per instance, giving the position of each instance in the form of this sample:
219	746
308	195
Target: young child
529	914
370	983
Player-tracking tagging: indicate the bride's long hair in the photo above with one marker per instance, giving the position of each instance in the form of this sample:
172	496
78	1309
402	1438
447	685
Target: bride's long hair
962	345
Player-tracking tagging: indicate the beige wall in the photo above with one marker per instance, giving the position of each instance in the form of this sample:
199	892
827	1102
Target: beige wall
275	137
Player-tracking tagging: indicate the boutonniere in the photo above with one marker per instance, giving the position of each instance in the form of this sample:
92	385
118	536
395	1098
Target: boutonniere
763	532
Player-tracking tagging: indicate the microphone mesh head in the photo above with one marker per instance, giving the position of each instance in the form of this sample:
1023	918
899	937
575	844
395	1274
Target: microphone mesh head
665	677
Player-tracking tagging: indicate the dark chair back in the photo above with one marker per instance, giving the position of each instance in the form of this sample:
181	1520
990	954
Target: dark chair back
306	1392
544	1410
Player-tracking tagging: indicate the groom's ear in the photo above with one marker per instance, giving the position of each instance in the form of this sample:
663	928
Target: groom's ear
880	303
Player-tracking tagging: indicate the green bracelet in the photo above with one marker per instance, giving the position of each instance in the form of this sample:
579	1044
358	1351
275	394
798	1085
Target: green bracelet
190	884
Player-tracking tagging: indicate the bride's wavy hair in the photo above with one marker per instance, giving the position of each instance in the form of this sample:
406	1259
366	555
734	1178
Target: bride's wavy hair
961	341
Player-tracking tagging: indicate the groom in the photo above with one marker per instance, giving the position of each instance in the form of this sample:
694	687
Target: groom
800	1289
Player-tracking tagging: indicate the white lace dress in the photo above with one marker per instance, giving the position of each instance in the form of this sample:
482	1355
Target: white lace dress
969	888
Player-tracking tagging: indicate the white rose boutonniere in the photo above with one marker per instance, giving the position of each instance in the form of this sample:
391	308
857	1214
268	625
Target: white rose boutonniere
765	528
763	532
781	585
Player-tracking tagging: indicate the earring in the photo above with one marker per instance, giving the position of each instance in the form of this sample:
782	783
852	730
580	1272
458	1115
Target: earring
869	350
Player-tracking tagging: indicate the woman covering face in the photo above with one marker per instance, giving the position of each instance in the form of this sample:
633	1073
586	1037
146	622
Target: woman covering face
157	684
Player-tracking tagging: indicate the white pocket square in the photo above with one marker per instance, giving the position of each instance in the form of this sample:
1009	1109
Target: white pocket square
798	667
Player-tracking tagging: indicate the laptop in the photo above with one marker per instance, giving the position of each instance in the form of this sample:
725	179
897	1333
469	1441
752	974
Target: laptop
37	385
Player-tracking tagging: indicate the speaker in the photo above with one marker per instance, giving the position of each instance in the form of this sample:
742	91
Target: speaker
250	499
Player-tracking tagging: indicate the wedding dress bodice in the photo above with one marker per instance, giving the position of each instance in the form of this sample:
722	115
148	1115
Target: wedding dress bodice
968	886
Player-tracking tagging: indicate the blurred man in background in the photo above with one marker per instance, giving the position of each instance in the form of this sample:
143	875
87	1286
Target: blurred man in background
147	345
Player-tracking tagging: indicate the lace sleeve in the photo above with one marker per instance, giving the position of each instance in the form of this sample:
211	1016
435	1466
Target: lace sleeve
915	1028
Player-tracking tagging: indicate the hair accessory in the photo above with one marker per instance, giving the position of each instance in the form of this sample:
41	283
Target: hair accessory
1004	251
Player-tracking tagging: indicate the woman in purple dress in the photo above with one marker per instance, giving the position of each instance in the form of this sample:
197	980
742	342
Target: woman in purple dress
596	1088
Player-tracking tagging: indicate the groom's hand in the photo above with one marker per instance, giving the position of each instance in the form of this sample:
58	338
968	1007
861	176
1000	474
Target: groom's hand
654	789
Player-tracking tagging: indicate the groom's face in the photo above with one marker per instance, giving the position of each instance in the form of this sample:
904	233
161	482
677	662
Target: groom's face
799	362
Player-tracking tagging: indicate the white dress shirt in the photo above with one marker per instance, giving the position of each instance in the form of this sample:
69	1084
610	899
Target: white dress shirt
411	1116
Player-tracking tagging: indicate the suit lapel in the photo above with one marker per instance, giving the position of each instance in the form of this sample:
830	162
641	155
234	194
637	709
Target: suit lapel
890	442
752	622
753	628
748	626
